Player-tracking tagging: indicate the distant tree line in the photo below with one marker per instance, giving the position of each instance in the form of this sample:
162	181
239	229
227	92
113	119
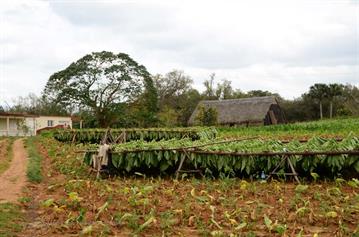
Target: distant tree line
113	90
323	101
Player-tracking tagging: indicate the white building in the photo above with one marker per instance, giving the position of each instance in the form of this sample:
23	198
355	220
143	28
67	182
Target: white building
15	124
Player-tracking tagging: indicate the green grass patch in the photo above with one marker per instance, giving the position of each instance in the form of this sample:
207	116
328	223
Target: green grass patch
34	165
5	162
10	219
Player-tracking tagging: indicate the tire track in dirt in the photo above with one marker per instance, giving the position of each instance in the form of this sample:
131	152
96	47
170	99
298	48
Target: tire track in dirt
14	178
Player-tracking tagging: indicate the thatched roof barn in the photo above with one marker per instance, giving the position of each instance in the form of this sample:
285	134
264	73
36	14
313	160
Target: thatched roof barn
255	110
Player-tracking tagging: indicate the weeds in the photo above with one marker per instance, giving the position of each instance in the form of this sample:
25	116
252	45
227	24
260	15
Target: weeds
34	165
10	220
6	146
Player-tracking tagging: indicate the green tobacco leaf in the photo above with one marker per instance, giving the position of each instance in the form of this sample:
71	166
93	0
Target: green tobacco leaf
241	226
356	166
48	202
354	183
164	165
315	176
267	222
301	188
280	229
127	157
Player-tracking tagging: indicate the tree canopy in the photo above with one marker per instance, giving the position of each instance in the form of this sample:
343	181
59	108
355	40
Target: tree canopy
104	83
207	116
177	98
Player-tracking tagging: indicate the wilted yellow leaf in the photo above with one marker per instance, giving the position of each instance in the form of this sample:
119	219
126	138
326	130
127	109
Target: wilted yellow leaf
233	221
87	230
74	197
193	192
217	233
331	214
178	211
244	185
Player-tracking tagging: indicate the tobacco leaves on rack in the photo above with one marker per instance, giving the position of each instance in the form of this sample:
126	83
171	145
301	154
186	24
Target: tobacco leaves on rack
164	156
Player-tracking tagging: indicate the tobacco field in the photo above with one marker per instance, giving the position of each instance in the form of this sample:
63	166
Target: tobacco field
140	195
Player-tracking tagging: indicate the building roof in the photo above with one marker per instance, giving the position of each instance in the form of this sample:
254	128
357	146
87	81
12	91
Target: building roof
13	114
5	114
237	110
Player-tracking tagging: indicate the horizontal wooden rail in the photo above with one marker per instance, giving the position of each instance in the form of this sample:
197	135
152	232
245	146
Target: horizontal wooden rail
285	141
131	130
306	140
223	153
290	153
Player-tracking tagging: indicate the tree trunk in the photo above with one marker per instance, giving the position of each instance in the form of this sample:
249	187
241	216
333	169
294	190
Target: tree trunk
321	110
101	119
331	109
102	122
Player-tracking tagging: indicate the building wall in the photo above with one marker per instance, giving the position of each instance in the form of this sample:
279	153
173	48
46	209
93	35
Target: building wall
16	128
3	124
43	121
32	124
278	113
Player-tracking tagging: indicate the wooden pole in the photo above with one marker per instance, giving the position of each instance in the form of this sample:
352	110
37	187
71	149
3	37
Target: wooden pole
294	153
7	126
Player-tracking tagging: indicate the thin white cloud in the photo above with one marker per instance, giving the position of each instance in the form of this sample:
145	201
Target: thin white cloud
281	46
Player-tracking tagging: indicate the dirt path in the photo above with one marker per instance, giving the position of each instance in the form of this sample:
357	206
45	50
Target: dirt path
14	178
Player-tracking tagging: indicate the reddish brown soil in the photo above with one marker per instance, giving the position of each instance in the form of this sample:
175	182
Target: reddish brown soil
14	179
37	193
189	203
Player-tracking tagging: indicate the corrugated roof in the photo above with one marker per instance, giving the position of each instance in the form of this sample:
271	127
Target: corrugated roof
237	110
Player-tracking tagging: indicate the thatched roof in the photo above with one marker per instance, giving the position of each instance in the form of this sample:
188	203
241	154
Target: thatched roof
237	111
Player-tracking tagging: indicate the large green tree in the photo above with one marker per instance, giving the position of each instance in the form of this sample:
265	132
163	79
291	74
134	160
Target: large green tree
104	83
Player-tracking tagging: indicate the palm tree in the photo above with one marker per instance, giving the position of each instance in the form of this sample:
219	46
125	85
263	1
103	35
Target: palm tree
319	92
334	90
